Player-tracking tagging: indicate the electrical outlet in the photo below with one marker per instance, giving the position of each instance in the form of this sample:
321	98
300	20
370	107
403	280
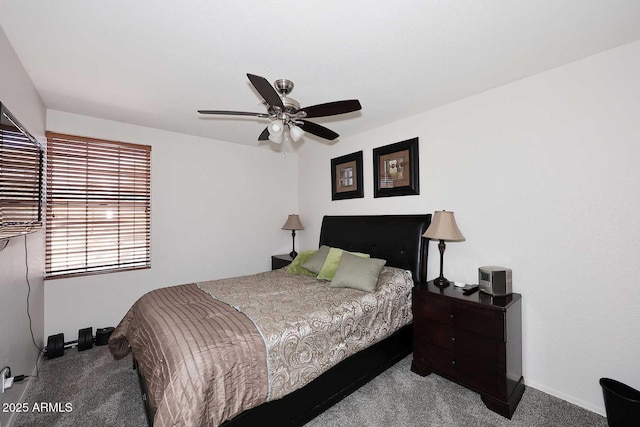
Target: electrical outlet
6	380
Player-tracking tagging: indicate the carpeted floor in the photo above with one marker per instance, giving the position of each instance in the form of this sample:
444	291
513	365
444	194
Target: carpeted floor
400	398
103	392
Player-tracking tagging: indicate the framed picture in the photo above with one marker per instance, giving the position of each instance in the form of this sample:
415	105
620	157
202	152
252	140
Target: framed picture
346	177
395	169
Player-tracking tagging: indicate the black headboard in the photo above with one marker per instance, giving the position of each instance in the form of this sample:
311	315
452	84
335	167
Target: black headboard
395	238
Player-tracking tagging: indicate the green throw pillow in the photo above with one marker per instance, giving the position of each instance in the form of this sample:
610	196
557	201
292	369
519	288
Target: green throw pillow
331	263
315	262
296	265
357	273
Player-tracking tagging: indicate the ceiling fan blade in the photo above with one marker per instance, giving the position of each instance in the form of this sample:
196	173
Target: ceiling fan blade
265	90
234	113
264	136
332	108
318	130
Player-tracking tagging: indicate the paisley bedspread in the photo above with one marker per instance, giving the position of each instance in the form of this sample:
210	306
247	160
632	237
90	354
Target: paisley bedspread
308	326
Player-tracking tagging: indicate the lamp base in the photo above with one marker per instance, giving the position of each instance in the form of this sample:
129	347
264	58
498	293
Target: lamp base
441	282
293	254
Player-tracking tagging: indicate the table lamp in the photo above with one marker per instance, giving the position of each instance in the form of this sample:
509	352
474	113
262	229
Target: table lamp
293	223
443	227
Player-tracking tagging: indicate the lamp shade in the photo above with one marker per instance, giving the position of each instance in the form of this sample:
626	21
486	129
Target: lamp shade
293	223
296	133
276	130
443	227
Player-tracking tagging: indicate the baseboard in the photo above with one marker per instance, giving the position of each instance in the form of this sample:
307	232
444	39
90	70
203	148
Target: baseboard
571	399
27	387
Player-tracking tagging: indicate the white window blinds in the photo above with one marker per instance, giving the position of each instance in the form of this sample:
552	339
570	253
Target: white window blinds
98	206
20	183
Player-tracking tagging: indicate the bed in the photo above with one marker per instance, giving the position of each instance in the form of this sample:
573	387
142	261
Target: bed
264	341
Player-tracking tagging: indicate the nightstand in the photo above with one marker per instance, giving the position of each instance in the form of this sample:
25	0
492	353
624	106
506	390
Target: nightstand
279	261
474	340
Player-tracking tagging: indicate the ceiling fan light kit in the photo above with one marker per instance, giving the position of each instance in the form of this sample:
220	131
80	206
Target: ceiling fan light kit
295	133
286	111
275	132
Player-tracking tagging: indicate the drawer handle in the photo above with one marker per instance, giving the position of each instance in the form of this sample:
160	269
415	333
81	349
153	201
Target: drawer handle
453	362
453	338
451	316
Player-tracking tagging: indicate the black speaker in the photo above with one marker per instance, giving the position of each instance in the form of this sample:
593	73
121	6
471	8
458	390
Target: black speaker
103	334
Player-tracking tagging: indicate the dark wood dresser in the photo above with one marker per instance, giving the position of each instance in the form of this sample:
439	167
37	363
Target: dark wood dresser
279	261
474	340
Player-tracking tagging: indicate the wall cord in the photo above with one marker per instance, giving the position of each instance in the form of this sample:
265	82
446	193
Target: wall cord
33	339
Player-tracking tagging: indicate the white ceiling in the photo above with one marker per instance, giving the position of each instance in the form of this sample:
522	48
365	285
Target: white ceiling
155	62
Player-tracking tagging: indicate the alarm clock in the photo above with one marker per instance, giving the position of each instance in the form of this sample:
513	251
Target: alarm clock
494	280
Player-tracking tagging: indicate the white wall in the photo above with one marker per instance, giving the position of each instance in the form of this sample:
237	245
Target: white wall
16	348
543	177
217	210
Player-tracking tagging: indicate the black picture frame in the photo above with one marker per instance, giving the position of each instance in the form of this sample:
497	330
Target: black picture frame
346	177
396	169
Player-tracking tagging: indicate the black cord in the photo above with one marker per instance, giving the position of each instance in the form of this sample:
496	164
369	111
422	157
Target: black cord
33	339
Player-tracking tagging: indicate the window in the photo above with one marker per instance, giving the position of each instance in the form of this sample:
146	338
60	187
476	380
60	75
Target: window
98	206
20	178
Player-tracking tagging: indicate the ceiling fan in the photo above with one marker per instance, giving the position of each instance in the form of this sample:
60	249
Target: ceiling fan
286	112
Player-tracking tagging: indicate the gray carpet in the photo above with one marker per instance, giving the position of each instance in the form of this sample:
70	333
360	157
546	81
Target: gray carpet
399	398
104	392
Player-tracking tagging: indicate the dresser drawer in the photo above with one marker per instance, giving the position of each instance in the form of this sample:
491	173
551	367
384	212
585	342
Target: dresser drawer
438	334
436	358
279	261
435	309
480	349
490	323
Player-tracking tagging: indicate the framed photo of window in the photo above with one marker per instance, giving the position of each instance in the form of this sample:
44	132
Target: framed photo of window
346	177
396	170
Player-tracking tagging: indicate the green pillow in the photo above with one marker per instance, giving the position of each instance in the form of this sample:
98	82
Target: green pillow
331	263
296	265
357	273
317	260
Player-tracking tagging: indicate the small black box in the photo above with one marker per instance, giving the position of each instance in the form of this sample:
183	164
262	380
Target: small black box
103	334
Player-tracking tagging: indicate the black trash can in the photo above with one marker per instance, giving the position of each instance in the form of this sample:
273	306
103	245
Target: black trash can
621	402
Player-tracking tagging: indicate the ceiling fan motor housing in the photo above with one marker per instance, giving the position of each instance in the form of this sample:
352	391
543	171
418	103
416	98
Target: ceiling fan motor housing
291	108
283	86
